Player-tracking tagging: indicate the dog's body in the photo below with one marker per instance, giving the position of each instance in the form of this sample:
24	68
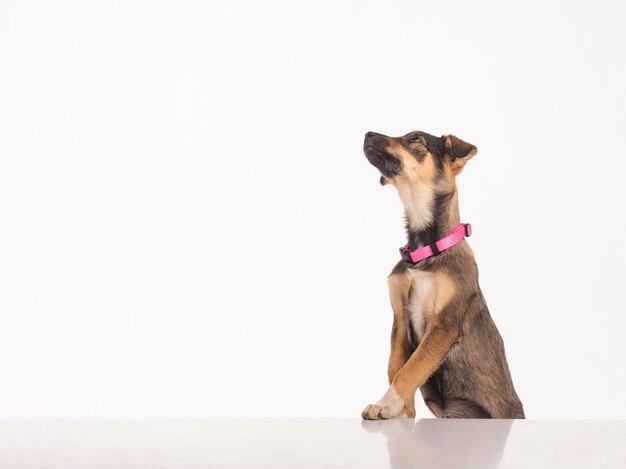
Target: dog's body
443	339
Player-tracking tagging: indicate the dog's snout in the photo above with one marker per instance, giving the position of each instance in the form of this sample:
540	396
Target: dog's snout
370	134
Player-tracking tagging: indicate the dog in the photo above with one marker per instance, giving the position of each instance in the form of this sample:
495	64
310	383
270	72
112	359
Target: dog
443	339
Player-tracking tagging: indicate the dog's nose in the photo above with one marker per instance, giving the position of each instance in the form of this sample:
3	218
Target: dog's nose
370	134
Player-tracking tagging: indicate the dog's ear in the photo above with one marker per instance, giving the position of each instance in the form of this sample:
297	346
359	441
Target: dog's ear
458	152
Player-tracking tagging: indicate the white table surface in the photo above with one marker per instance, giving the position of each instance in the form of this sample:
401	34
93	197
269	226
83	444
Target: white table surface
304	443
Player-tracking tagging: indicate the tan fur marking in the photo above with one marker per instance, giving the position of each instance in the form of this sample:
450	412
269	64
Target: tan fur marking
439	296
459	152
399	285
415	185
424	361
422	173
418	202
437	339
432	292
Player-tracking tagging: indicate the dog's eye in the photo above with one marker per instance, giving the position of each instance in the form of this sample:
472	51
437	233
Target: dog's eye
414	139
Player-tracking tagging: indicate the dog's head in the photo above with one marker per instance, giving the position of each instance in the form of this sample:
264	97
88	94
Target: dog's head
418	158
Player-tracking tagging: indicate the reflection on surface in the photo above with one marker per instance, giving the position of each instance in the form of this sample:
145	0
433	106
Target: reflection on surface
437	443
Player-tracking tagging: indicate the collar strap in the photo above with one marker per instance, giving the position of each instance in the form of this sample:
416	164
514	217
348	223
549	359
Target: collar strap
455	237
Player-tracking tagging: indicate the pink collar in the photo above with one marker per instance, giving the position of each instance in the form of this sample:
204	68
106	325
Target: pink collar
455	237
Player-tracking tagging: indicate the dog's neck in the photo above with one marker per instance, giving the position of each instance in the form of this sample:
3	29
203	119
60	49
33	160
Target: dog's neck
430	215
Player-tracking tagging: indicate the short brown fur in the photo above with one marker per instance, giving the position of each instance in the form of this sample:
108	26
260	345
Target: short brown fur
443	340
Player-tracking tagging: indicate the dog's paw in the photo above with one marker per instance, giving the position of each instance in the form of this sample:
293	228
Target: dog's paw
389	407
372	412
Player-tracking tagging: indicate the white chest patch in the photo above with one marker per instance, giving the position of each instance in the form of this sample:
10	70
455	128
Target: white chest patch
423	283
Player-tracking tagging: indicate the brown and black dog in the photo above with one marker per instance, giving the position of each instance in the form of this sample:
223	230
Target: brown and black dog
443	339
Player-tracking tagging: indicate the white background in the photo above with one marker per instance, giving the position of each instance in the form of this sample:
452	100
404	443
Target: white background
189	228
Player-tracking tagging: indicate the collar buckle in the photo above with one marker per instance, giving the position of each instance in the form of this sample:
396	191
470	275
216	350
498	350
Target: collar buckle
468	230
406	255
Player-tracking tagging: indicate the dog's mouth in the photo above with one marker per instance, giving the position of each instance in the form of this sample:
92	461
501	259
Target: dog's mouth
387	164
372	152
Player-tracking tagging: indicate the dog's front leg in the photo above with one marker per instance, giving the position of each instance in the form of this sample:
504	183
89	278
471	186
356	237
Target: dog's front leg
399	400
401	350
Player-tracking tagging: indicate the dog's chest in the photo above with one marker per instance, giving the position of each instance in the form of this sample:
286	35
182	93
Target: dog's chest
421	300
